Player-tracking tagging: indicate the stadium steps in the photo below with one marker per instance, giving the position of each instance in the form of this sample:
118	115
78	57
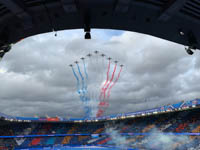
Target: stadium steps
50	141
60	130
84	139
181	127
100	130
68	138
145	130
104	141
196	130
171	128
41	130
33	132
35	141
81	138
26	142
132	139
96	140
107	140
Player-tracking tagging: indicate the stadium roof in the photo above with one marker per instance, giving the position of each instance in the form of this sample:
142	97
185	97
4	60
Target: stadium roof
174	20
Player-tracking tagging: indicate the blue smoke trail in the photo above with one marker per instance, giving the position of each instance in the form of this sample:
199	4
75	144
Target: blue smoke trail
84	99
86	108
86	81
82	78
78	82
85	75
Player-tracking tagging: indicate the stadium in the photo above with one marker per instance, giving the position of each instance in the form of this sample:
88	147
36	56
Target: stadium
121	99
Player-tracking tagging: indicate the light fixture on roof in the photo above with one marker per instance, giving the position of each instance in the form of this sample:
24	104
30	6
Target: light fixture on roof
4	49
189	50
192	40
87	36
87	28
182	33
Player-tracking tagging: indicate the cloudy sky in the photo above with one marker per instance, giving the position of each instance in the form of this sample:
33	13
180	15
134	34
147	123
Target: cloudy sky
36	79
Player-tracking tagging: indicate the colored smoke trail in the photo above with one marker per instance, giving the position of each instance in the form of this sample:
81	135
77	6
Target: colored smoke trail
88	108
102	106
86	100
97	66
107	79
100	112
86	81
94	82
82	78
113	74
86	74
107	75
118	76
104	103
83	96
77	79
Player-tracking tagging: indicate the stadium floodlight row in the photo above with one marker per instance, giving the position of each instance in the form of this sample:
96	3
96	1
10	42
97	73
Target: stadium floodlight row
164	109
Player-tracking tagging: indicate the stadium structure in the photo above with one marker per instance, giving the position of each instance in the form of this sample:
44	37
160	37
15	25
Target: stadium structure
174	20
137	130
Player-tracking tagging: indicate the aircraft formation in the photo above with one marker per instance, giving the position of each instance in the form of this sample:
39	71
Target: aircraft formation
95	75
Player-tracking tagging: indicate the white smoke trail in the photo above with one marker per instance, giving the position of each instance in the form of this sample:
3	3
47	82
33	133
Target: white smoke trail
116	138
94	105
158	140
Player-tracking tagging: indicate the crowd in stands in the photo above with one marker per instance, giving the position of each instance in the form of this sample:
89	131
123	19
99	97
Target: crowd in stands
187	121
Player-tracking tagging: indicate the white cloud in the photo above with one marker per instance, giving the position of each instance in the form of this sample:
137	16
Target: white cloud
36	79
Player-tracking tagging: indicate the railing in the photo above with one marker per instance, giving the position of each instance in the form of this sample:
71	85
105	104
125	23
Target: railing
89	134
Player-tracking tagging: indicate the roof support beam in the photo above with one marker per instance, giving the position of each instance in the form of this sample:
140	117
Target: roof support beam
172	8
69	6
122	6
19	11
15	8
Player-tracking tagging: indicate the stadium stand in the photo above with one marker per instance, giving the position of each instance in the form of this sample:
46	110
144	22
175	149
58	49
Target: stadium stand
134	131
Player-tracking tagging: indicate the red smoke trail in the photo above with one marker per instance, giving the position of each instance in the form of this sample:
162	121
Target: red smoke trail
100	112
113	74
103	103
106	104
114	83
102	89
